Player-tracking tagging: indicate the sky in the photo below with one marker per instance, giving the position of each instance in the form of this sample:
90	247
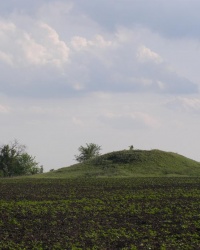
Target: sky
111	72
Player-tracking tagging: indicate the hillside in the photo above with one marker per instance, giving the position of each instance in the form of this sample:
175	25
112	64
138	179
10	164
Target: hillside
131	163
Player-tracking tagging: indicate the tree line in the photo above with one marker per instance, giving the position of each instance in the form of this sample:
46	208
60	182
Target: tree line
15	161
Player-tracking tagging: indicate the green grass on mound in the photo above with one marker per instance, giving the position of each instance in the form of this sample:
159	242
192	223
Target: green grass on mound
130	163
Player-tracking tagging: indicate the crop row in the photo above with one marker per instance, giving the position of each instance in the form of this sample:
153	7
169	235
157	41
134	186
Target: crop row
129	213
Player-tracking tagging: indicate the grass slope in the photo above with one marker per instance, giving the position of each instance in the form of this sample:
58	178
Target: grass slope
131	163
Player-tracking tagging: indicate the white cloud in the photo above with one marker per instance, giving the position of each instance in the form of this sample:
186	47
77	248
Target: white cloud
44	47
67	61
60	51
79	43
144	54
101	42
40	46
34	53
185	104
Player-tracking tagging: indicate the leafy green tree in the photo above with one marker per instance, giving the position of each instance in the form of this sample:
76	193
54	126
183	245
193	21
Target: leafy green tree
91	150
27	165
14	161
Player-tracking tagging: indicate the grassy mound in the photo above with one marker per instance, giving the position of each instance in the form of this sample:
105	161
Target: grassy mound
131	163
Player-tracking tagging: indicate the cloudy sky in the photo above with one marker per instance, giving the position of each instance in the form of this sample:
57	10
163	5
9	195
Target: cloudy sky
112	72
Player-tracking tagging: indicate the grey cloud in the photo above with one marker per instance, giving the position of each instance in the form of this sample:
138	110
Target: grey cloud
170	18
44	83
47	63
11	6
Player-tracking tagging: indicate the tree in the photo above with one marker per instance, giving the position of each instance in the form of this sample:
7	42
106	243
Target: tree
27	165
90	151
14	160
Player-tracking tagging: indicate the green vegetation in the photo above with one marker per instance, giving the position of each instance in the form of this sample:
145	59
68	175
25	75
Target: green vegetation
91	150
15	161
126	213
130	163
76	212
